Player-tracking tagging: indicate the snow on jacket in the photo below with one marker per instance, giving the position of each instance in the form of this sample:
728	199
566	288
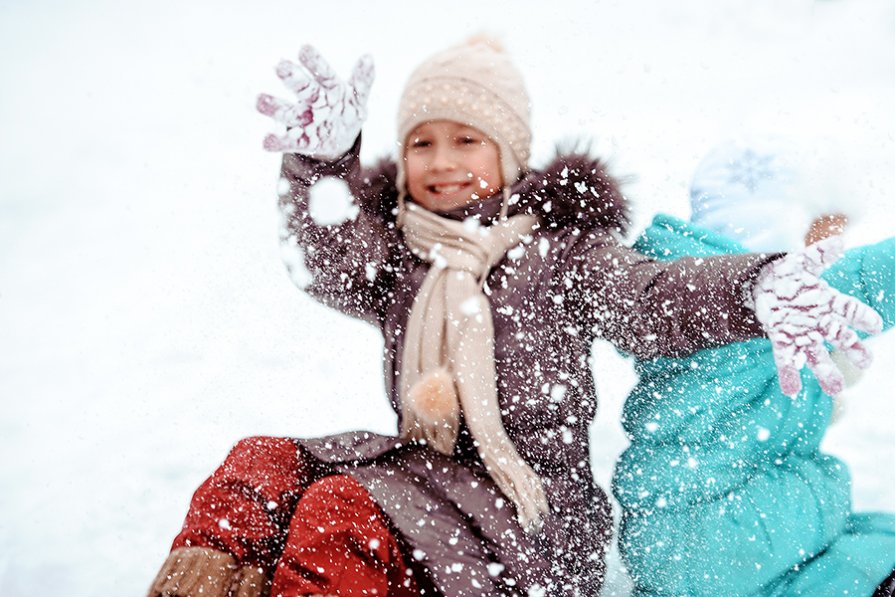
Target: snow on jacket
550	298
724	490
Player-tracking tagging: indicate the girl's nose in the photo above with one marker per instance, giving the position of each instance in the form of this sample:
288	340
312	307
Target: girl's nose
443	159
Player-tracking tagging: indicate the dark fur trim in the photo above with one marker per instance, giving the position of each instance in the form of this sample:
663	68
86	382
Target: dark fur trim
576	190
573	190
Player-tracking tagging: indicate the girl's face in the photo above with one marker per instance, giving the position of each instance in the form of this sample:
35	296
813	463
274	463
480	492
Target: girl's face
450	165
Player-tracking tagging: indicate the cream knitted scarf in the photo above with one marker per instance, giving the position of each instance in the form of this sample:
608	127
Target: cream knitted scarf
448	360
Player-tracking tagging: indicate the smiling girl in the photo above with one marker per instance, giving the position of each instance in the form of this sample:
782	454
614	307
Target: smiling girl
489	281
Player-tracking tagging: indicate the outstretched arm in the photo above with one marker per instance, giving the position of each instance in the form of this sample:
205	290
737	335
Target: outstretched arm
345	264
672	308
655	308
349	265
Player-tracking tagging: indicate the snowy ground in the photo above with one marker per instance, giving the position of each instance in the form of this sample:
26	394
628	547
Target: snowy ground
146	322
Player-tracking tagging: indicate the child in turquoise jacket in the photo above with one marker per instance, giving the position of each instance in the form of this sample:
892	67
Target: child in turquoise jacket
724	489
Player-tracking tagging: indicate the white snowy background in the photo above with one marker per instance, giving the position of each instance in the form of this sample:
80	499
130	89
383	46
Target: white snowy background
146	322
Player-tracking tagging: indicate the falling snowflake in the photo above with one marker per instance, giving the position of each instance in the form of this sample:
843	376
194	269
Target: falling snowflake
331	202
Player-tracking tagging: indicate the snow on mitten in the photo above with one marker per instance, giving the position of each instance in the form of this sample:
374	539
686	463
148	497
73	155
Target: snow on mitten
328	113
799	312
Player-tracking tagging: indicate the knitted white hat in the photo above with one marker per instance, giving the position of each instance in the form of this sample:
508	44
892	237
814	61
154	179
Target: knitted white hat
476	84
764	191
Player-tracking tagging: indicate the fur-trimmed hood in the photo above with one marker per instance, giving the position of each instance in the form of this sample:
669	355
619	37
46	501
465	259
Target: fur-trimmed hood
575	189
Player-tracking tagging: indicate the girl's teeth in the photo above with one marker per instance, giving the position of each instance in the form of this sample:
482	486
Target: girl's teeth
448	188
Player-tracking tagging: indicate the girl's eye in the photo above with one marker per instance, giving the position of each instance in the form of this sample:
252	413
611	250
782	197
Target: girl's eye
419	143
467	140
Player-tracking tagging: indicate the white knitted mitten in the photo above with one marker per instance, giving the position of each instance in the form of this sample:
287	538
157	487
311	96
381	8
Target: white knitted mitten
799	312
328	113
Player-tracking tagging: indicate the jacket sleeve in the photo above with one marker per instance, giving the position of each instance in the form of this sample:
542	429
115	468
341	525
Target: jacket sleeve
868	273
652	308
347	265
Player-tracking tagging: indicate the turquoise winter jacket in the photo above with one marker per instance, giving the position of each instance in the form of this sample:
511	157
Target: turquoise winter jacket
723	489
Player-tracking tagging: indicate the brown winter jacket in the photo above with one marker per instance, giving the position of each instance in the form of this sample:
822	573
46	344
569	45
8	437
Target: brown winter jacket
572	284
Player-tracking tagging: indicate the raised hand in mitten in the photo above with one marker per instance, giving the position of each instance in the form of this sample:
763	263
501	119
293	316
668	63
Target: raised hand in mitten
328	113
799	312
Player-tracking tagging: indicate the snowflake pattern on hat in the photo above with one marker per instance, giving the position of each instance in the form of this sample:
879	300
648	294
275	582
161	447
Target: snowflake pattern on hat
751	168
751	194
